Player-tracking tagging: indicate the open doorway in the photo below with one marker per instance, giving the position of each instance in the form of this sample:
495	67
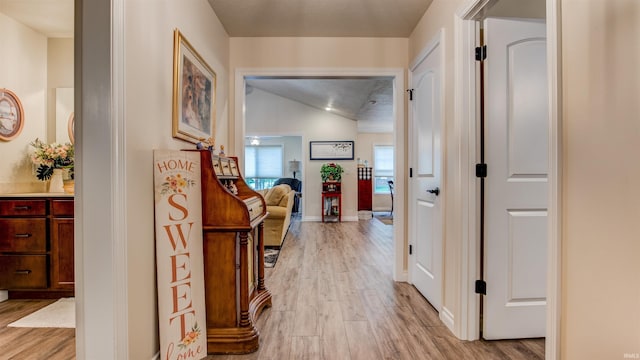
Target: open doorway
468	28
325	125
283	115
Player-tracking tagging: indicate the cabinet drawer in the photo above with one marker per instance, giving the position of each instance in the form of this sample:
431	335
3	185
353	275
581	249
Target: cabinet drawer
23	207
23	235
23	271
62	207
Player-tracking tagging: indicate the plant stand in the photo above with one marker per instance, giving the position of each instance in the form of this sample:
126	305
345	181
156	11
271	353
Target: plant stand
332	201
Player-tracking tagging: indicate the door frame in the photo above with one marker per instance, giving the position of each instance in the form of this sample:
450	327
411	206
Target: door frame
466	98
400	244
437	40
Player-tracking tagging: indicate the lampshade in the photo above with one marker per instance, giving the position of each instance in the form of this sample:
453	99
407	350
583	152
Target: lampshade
294	165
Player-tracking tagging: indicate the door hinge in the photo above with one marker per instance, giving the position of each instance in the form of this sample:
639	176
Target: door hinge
481	170
481	53
481	287
410	172
410	249
410	91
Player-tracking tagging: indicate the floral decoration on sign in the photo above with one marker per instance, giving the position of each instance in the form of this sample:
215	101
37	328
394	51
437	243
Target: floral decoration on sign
175	184
190	337
48	157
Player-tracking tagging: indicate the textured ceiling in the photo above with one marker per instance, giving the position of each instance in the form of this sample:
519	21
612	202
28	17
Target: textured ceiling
366	100
319	18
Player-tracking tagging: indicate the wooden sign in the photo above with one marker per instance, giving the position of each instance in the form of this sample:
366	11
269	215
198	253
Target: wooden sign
179	255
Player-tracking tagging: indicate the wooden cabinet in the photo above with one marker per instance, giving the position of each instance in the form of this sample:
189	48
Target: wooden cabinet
36	246
62	258
365	189
331	201
233	226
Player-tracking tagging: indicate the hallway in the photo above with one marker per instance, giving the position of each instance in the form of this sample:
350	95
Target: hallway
334	298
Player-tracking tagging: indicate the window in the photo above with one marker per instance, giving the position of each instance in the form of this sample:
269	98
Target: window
382	168
263	165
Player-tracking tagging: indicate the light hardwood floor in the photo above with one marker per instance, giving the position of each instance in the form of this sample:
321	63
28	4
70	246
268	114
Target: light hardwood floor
333	298
31	343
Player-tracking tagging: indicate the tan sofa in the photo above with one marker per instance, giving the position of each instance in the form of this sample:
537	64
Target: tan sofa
279	200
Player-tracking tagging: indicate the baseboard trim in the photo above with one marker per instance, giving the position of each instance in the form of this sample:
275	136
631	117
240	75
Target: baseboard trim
402	276
319	218
447	318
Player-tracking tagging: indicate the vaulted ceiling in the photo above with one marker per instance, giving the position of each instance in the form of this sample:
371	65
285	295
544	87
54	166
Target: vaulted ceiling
369	101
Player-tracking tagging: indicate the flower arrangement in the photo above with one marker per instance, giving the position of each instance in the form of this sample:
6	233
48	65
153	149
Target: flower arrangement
331	172
48	157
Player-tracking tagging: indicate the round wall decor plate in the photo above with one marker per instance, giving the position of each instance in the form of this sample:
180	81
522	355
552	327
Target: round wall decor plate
71	125
11	115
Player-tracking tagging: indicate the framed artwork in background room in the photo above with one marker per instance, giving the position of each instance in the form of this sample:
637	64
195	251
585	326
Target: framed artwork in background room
194	93
331	150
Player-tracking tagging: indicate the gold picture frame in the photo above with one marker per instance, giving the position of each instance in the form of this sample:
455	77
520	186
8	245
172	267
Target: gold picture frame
194	93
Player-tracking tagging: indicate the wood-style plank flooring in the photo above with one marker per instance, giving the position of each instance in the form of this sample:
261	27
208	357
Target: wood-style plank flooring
33	343
334	298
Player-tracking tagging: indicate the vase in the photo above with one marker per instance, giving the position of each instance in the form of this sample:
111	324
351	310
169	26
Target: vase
69	186
56	184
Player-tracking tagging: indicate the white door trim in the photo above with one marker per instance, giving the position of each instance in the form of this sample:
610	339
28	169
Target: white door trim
466	112
399	239
100	242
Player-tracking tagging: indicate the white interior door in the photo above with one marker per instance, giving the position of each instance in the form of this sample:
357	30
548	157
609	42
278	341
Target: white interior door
425	218
516	153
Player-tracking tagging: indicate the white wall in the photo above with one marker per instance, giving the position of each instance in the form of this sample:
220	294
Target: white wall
364	151
23	70
315	53
59	75
148	113
269	114
600	316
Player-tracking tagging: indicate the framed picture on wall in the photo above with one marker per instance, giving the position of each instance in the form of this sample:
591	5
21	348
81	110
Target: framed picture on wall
331	150
11	115
194	93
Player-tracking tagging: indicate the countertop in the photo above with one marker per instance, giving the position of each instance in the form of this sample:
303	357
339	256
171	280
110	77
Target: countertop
36	195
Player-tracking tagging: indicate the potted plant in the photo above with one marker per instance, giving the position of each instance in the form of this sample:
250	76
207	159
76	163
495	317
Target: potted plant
331	172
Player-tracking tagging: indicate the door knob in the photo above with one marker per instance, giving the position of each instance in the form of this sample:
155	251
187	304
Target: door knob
435	191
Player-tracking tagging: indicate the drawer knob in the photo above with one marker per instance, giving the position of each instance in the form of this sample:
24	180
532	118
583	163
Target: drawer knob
23	272
20	208
23	235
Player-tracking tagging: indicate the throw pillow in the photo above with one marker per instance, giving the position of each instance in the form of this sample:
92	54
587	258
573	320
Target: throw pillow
276	194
